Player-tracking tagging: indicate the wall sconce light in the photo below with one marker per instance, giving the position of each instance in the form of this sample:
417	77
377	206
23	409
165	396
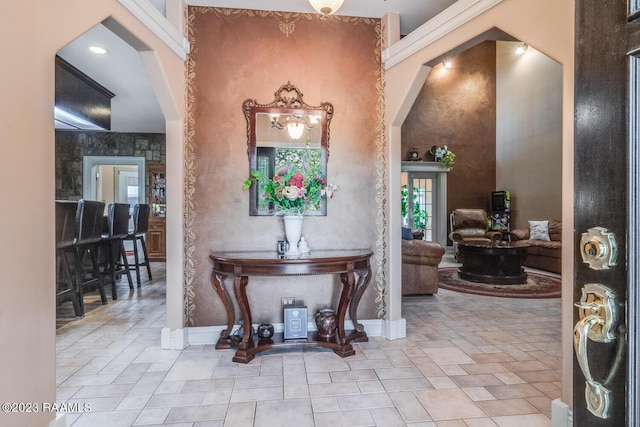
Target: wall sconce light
522	48
447	64
326	7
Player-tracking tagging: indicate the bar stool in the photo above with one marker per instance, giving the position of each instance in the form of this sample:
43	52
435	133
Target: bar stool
89	223
140	227
113	242
65	236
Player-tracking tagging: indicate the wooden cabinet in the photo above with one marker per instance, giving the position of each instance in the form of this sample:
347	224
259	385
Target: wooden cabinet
156	241
156	235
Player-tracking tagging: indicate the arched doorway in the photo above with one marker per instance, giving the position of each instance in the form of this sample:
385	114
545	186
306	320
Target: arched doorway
405	75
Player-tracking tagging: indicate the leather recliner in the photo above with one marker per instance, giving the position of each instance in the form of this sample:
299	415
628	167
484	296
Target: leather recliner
471	225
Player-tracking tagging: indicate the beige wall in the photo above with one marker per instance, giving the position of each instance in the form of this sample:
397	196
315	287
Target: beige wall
245	55
529	133
549	26
33	31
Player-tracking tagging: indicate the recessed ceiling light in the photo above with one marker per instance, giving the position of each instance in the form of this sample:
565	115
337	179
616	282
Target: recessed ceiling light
99	50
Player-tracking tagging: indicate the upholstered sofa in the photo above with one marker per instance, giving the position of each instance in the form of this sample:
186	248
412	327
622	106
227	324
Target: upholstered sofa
541	254
420	260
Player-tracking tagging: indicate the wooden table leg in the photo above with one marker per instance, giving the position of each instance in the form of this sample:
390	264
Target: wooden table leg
217	281
348	283
364	276
240	290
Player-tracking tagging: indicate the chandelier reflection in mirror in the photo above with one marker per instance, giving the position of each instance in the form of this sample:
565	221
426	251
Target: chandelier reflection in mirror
295	124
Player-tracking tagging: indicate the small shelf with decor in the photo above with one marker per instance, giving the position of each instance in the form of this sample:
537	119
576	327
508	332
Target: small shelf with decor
156	235
500	217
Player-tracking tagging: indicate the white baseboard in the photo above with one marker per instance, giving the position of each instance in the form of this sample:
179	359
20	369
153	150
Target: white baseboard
59	421
395	329
205	335
561	415
173	339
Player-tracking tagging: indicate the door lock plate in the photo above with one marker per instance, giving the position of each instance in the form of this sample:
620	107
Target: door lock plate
598	300
599	248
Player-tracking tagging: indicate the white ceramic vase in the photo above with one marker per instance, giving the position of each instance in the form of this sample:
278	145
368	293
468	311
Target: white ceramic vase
293	232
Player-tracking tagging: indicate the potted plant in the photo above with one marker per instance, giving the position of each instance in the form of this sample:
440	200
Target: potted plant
443	156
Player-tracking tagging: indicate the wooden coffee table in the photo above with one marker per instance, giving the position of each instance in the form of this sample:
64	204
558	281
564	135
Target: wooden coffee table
496	262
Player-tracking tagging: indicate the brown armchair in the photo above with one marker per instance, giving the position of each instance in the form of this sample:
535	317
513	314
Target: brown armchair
420	260
471	225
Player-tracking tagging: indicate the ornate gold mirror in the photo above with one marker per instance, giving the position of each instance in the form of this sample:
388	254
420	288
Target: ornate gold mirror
285	133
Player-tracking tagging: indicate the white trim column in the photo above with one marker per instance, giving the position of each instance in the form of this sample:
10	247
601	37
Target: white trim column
174	335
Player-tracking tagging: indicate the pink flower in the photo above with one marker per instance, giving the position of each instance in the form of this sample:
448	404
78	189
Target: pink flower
296	180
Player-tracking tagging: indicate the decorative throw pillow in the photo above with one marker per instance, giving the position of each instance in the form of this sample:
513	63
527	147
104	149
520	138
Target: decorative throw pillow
539	230
407	234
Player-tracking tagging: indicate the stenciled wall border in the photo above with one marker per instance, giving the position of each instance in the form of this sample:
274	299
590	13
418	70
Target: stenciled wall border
286	22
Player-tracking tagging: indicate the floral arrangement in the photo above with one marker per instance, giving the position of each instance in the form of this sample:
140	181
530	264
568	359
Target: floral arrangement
299	184
444	156
292	191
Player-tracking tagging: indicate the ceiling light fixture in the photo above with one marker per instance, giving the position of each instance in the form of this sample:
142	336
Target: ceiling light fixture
295	130
99	50
294	124
326	7
522	48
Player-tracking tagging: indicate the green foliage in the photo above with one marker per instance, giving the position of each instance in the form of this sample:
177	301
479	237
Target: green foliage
298	184
420	216
444	156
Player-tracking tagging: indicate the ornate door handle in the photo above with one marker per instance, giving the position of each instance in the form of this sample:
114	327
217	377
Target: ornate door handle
597	322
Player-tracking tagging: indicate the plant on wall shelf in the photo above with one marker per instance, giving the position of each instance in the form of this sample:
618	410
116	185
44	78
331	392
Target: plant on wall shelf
443	155
420	216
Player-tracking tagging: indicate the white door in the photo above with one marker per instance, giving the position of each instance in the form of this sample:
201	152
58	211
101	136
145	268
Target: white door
126	184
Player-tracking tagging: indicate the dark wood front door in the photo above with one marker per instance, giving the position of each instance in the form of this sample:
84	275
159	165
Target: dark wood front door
606	195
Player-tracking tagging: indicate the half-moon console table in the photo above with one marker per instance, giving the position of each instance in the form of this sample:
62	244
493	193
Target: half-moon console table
347	263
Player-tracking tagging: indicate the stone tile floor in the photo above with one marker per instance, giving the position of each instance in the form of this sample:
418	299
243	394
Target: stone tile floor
467	361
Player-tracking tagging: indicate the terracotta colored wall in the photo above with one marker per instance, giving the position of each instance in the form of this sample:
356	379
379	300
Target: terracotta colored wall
240	54
457	107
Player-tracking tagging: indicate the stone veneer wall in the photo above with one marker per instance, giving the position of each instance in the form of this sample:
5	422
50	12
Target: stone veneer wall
72	146
247	54
457	108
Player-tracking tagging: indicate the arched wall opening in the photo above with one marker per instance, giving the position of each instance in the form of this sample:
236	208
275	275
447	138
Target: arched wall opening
122	40
29	85
547	26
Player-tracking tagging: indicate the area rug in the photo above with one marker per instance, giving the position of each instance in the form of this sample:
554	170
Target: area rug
537	286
